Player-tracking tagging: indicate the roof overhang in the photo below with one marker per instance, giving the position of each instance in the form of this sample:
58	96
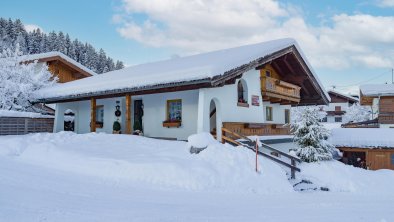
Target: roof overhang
315	94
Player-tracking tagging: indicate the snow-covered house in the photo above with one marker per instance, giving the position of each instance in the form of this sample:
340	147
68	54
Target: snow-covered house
60	65
249	89
338	106
381	99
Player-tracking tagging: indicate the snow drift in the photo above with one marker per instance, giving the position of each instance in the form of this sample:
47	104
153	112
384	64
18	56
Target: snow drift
148	162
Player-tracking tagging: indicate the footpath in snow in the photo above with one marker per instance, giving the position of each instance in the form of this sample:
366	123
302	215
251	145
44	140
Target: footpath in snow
101	177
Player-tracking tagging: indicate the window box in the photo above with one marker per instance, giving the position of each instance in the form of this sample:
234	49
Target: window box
242	104
99	124
172	124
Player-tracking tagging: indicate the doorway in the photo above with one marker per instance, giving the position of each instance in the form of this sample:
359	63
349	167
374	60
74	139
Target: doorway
138	114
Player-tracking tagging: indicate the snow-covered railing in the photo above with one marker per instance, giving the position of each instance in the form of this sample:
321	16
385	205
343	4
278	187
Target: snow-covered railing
235	139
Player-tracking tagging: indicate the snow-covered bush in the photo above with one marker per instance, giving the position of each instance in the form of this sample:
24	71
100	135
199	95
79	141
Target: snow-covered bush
19	80
357	113
310	135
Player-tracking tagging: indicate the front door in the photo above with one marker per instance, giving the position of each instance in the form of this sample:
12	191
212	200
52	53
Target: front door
138	113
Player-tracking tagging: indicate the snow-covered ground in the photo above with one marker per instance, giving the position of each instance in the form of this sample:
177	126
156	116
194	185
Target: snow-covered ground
100	177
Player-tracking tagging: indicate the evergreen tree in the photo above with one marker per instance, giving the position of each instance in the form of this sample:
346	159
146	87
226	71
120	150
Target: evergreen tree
13	33
310	135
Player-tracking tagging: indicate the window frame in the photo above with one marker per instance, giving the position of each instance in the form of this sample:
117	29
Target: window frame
269	110
169	101
99	124
287	116
338	118
242	89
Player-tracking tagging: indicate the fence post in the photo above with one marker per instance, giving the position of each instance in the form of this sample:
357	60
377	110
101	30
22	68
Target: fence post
256	147
26	125
293	163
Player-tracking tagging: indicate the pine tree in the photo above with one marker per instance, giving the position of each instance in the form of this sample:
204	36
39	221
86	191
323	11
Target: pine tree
13	33
119	65
310	135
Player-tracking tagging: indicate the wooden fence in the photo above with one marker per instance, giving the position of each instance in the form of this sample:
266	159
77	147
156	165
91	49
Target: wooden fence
24	125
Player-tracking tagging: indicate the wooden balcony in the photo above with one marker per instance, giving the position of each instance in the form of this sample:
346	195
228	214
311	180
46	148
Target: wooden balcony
278	91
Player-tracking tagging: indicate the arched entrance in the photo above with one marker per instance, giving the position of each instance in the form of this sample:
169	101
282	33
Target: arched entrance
215	121
69	120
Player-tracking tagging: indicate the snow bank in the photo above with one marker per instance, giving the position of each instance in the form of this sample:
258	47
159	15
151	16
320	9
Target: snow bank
339	177
362	137
148	162
12	113
201	140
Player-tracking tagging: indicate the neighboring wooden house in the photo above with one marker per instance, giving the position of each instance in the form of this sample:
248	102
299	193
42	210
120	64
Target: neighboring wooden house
338	106
60	65
381	99
247	89
366	148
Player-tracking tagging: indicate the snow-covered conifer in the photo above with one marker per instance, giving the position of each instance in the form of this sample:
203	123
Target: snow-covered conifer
310	135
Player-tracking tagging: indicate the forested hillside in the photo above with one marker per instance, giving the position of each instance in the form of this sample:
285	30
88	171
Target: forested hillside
14	32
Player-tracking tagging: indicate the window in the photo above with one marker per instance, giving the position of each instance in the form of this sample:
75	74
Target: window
174	110
268	113
324	120
287	116
99	116
267	73
337	108
242	93
392	159
338	119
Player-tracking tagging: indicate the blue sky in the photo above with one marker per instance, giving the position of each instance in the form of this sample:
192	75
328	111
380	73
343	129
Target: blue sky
347	42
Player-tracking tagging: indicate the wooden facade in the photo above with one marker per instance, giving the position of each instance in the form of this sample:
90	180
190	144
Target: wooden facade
275	90
373	159
250	129
386	110
63	72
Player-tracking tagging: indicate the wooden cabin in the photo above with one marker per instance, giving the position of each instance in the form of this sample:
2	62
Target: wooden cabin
381	99
248	89
369	148
60	65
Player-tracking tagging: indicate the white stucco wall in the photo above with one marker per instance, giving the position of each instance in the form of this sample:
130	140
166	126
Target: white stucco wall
155	106
229	111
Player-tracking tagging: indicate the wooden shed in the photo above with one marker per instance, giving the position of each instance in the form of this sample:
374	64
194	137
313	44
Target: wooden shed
369	148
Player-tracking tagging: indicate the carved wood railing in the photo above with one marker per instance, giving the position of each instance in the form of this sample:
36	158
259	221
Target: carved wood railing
274	86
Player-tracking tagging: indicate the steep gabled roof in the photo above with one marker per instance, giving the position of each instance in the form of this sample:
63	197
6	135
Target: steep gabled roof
52	56
346	97
205	70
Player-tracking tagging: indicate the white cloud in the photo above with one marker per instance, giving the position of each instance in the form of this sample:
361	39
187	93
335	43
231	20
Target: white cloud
31	27
203	25
385	3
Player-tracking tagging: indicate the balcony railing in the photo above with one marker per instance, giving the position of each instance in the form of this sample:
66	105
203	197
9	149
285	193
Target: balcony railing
275	88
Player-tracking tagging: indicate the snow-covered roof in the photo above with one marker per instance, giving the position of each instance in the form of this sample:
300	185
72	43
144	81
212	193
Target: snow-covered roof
200	67
349	97
12	113
363	137
53	54
377	89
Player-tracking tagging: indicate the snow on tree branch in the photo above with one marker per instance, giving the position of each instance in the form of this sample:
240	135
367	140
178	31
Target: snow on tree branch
357	113
310	135
20	80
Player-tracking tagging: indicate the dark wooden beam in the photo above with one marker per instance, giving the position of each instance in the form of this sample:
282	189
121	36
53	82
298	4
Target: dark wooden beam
92	115
128	114
275	100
